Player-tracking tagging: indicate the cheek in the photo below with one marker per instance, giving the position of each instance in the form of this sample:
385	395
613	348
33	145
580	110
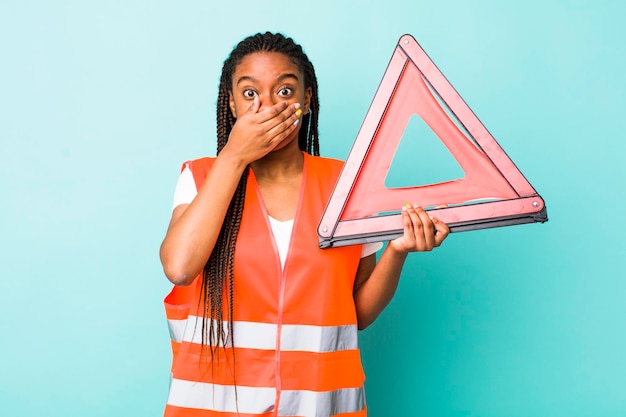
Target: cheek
239	107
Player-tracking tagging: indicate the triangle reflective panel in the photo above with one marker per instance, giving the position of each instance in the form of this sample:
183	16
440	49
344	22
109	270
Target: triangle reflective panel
492	192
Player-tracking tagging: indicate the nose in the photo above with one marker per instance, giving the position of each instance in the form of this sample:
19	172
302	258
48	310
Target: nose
267	100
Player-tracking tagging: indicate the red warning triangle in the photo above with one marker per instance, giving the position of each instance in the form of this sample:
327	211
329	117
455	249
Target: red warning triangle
492	193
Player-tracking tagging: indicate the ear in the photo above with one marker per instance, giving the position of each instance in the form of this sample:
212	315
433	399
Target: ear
231	104
307	99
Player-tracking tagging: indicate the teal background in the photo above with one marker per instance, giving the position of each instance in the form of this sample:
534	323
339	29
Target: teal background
100	102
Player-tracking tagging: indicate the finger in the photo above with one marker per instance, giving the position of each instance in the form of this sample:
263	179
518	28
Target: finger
271	116
283	130
407	226
423	228
428	227
416	229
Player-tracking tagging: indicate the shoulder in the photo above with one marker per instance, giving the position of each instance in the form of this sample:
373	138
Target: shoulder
198	164
199	168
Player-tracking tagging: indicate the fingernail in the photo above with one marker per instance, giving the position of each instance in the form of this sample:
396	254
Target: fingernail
298	112
296	105
296	122
407	204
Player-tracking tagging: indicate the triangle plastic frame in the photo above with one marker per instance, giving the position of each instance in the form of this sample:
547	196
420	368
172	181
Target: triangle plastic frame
492	193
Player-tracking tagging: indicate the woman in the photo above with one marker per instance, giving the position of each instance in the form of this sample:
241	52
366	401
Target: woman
263	322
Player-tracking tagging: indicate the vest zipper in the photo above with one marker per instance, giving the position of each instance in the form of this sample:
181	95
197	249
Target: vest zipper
281	272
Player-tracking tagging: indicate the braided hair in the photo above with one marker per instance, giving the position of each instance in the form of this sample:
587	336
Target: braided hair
218	273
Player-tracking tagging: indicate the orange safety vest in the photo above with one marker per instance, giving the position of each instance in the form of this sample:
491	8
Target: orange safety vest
295	330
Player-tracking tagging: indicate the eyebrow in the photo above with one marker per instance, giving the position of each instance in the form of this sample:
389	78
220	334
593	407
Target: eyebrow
280	78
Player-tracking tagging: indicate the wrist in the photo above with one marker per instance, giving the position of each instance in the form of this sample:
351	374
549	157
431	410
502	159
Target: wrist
232	159
396	252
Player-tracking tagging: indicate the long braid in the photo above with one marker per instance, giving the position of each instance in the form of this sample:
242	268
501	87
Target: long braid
308	138
218	274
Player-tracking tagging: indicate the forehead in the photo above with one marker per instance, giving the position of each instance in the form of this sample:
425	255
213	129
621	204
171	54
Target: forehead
265	66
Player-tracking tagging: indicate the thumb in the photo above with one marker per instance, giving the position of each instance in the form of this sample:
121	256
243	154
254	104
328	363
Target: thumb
441	229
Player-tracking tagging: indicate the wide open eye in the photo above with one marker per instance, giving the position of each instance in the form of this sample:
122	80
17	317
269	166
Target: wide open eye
285	92
249	93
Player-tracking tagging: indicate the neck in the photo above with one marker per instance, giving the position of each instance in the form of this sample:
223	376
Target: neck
282	164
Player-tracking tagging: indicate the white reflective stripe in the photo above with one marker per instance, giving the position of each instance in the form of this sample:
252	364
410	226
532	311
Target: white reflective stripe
216	397
177	328
294	337
247	334
321	404
255	335
318	338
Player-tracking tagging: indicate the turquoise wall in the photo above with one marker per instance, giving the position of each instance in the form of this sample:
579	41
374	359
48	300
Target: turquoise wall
100	102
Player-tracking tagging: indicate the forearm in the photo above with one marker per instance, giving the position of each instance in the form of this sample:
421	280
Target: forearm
192	234
376	292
